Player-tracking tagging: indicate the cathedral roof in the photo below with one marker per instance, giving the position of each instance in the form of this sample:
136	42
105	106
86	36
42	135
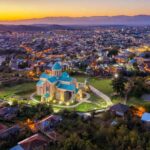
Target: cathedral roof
44	75
56	67
40	83
52	79
70	87
65	77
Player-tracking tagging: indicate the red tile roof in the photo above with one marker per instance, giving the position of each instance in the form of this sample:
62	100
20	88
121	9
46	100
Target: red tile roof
2	127
33	142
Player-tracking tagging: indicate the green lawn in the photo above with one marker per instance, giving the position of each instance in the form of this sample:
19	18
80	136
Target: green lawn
80	78
103	85
37	97
137	101
86	107
133	101
22	90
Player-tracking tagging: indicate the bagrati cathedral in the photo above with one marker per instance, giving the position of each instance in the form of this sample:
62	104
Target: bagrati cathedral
57	85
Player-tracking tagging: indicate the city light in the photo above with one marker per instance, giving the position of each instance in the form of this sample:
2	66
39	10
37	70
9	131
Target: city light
67	103
116	75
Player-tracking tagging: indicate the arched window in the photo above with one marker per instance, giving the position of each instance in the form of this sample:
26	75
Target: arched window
47	89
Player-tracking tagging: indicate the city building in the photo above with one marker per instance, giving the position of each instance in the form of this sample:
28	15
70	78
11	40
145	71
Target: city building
119	109
35	142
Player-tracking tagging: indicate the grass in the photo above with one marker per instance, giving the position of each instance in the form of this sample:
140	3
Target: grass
37	97
103	85
137	101
133	101
86	107
22	90
95	99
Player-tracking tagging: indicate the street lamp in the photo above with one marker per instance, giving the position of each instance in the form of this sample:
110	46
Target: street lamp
116	75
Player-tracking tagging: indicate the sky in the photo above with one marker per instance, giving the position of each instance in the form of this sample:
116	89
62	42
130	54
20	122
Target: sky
28	9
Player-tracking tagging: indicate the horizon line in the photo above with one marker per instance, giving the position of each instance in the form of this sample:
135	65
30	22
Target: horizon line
72	17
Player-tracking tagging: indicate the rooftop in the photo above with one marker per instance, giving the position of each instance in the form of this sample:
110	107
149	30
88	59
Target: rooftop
56	66
33	142
17	147
40	83
44	75
120	108
65	77
70	87
52	79
146	117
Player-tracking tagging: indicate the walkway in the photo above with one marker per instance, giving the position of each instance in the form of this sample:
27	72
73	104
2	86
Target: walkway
102	95
72	106
84	100
32	97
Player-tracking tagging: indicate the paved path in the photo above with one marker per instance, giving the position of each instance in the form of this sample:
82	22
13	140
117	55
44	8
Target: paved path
32	97
102	95
64	106
72	106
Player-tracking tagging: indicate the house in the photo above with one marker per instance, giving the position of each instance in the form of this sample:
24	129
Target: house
8	113
3	111
146	118
12	131
17	147
119	109
35	142
2	128
48	123
57	85
53	136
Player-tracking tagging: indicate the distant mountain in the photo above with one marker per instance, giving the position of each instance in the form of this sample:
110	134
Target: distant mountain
96	20
31	27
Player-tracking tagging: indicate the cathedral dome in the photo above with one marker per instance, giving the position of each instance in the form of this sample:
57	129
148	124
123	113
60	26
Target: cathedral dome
56	67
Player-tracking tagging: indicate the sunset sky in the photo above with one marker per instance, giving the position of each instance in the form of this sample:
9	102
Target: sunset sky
27	9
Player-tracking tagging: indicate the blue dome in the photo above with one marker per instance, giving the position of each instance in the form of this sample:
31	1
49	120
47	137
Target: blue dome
56	66
65	74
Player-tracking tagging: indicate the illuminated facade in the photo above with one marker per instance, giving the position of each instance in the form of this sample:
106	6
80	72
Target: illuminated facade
57	85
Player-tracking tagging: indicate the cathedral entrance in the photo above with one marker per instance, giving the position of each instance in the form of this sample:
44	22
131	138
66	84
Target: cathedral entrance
68	95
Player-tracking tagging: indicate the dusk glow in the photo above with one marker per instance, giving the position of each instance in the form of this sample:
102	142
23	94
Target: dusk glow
26	9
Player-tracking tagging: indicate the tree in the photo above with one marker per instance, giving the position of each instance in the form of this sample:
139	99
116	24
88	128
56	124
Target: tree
74	142
118	84
137	87
128	88
112	53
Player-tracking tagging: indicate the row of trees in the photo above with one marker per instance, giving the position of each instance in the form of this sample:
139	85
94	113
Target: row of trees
34	111
98	134
130	87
